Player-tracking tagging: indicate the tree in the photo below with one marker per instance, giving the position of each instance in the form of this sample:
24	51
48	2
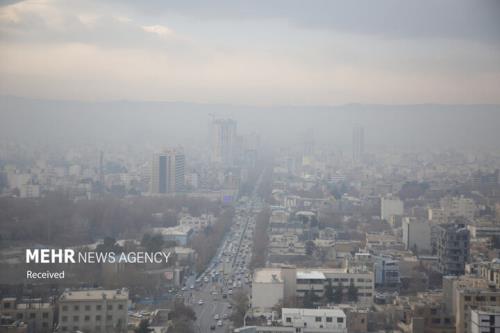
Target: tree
352	293
339	293
329	295
240	307
152	243
310	247
143	327
309	299
182	312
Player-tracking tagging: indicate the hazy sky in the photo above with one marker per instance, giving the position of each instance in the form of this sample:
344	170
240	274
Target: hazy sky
253	52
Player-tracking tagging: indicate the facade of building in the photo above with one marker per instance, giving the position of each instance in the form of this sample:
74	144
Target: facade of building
93	311
167	172
270	285
332	320
416	235
386	272
223	141
458	207
358	143
485	320
37	315
390	207
179	234
452	248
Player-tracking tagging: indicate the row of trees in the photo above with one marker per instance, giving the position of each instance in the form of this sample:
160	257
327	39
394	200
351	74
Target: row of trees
331	295
58	220
260	239
206	243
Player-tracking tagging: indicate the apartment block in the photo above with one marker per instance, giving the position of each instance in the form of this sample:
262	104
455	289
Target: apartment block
93	311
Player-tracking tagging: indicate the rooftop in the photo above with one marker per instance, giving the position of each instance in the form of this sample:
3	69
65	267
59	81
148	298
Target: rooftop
268	275
94	295
313	312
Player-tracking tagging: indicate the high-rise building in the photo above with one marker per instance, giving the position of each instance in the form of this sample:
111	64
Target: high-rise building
358	143
167	172
223	141
452	248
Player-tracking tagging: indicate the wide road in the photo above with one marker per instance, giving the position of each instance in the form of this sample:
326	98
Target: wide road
227	273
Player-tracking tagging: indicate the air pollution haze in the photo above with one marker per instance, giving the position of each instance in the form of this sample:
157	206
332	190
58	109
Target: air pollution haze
249	166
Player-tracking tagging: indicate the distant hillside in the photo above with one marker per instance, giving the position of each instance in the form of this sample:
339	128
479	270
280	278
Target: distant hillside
136	121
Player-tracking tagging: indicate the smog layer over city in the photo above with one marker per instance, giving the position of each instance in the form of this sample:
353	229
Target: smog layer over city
323	166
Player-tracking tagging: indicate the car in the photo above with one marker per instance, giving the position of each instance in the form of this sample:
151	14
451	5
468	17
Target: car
212	327
192	287
224	316
216	317
229	306
200	302
183	288
219	323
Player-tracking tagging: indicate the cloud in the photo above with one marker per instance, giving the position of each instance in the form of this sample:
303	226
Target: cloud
458	19
159	30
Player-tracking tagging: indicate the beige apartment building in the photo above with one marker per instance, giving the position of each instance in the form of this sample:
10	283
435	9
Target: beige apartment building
93	311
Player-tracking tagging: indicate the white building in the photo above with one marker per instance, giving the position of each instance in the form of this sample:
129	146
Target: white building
390	207
271	285
197	222
267	288
486	320
93	311
180	234
416	234
332	320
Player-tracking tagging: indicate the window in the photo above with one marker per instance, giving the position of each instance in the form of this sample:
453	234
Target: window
64	329
480	298
493	299
76	318
318	319
436	320
110	307
109	317
76	307
65	308
32	315
45	324
97	318
288	319
87	307
64	319
340	320
87	318
433	311
329	319
467	298
6	305
98	307
19	316
120	306
45	315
